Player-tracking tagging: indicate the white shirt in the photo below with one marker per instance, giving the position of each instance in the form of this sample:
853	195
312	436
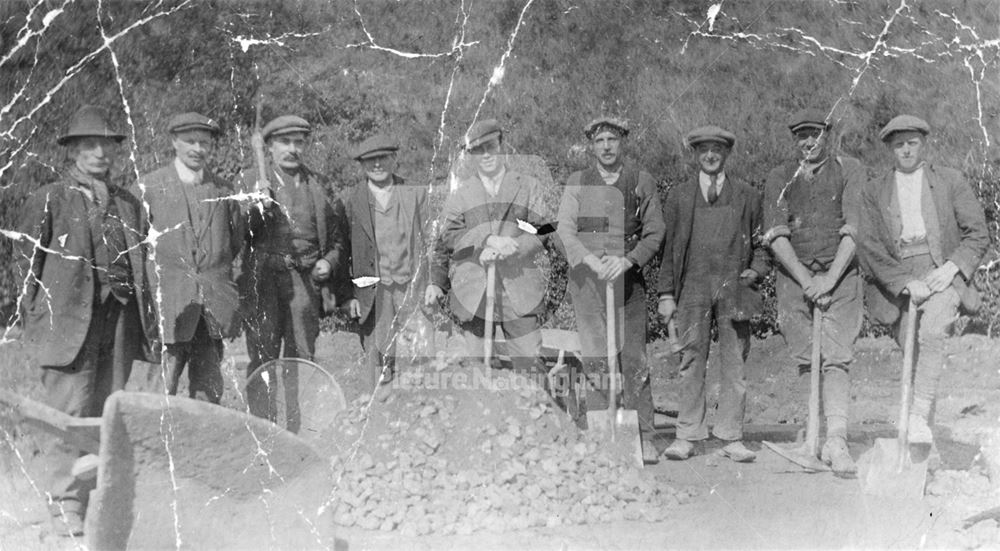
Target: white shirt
705	181
382	194
609	177
187	175
909	188
492	183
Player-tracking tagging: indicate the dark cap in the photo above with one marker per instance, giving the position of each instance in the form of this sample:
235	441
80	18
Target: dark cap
378	145
286	124
904	123
709	134
89	121
192	121
482	132
809	118
616	125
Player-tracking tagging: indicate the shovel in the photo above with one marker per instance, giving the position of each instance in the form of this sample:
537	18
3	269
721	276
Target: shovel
806	454
618	426
491	301
888	469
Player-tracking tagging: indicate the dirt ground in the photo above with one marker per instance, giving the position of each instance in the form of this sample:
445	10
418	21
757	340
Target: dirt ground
768	504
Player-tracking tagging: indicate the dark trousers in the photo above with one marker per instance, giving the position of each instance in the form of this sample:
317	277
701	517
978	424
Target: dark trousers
378	332
102	366
589	302
203	357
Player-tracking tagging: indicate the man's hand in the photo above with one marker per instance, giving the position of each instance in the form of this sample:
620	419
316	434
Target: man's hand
941	277
616	266
918	290
488	255
321	270
820	285
749	276
354	308
597	265
432	295
505	246
667	308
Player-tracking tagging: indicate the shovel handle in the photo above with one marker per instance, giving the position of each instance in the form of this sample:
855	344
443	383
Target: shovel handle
491	283
906	381
675	345
815	364
609	291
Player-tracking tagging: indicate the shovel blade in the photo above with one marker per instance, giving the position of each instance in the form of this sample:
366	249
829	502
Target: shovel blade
800	455
882	474
621	432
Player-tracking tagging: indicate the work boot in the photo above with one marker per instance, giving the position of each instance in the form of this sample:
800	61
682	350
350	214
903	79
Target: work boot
738	452
836	455
649	454
679	450
67	523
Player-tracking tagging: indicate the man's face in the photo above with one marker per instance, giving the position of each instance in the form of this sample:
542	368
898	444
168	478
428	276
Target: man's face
607	146
712	157
94	155
908	149
193	147
487	156
812	144
286	150
379	169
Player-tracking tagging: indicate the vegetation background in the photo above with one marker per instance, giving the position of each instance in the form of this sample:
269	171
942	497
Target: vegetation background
424	70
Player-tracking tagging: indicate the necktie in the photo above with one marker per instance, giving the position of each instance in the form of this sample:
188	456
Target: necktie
713	192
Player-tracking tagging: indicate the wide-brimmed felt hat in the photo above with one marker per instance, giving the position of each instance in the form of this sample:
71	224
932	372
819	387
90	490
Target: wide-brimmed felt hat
619	126
286	124
379	145
710	133
809	118
90	121
482	132
192	121
904	123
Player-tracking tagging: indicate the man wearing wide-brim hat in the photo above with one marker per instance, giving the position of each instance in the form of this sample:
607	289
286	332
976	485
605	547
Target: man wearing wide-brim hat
86	306
811	223
201	234
610	225
294	245
923	235
493	216
712	261
385	217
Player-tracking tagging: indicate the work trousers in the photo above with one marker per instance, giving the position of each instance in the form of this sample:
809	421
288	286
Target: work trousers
589	302
841	326
282	308
203	357
522	342
378	332
695	313
935	323
101	367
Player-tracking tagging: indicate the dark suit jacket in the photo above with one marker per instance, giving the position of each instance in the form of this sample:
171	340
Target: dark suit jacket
364	249
678	212
58	302
194	253
956	231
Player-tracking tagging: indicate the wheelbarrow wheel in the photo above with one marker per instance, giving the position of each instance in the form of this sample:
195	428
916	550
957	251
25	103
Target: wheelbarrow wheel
297	395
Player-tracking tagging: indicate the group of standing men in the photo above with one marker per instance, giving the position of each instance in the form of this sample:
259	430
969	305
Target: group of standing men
111	278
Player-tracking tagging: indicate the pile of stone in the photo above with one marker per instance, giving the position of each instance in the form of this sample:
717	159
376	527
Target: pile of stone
463	460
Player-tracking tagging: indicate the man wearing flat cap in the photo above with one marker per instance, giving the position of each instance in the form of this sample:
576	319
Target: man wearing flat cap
493	217
294	245
923	235
385	217
610	225
86	303
811	219
712	260
201	234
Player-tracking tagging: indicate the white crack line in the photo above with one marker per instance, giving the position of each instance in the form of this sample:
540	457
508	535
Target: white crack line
371	44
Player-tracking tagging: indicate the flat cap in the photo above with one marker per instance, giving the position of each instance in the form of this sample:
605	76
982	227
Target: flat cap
620	126
192	121
88	121
904	123
286	124
482	132
809	118
375	146
709	134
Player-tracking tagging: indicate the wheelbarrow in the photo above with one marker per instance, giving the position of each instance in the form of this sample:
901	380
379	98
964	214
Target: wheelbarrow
173	472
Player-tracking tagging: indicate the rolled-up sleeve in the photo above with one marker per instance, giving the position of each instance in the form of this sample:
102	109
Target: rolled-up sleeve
569	209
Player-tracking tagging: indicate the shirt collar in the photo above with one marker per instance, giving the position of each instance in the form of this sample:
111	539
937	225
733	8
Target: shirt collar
705	180
187	175
492	183
608	176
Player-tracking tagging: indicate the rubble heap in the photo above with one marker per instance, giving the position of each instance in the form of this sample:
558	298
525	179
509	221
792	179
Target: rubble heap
486	457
